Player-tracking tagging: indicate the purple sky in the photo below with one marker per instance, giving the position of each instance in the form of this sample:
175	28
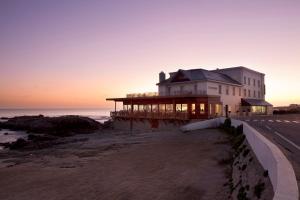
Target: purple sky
77	53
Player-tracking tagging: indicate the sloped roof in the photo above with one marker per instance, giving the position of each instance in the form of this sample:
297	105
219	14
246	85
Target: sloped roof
255	102
202	75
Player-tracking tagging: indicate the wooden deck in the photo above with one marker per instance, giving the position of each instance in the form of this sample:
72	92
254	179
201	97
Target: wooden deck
150	115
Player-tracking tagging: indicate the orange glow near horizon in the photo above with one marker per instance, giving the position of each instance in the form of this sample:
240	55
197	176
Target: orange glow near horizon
76	54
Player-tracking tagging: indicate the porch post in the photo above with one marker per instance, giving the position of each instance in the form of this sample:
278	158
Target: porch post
115	106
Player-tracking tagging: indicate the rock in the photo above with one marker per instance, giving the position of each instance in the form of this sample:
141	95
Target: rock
19	144
108	124
60	126
39	138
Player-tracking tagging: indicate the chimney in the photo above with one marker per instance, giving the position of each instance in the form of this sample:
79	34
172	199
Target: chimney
162	76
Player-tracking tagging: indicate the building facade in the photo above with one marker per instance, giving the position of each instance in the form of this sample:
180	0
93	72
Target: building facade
200	94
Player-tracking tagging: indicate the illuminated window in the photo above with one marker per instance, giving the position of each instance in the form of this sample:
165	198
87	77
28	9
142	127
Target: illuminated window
178	107
147	108
162	107
210	109
202	108
184	107
169	107
218	109
141	107
193	109
135	108
154	108
124	107
129	107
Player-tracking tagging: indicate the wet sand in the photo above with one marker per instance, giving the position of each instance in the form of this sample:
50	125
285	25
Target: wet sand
118	165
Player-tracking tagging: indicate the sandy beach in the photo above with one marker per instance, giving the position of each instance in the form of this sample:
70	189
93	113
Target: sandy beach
120	165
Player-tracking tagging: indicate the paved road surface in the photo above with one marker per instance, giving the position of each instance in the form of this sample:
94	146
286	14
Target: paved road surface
283	130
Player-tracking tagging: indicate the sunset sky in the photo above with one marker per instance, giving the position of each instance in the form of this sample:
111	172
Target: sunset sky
58	53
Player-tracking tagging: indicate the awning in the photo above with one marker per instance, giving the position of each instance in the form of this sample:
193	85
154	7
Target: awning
255	102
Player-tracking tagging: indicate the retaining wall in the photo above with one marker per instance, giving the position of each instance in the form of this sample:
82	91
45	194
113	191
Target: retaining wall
280	170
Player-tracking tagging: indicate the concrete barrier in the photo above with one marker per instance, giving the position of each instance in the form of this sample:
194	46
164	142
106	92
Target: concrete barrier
280	170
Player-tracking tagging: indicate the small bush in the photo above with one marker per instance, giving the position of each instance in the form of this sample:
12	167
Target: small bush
246	152
239	129
258	189
227	123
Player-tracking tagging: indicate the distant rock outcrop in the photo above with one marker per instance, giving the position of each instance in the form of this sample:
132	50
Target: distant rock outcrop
58	126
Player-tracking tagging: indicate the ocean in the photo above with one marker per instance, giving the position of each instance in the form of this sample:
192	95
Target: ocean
96	114
100	115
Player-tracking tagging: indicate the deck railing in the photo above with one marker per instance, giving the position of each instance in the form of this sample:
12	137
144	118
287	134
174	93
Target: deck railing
150	115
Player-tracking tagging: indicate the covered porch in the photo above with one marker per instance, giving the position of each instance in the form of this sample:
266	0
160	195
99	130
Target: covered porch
168	107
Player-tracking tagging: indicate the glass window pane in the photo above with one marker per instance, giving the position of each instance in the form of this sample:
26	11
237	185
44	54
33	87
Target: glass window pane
154	108
169	107
162	107
178	107
184	108
202	108
193	109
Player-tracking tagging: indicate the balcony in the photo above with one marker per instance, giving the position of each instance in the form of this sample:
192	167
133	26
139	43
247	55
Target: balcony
149	115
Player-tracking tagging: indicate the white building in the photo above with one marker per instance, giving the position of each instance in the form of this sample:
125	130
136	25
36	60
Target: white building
241	90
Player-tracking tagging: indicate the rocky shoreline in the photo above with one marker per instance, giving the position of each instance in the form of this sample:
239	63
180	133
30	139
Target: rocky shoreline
45	132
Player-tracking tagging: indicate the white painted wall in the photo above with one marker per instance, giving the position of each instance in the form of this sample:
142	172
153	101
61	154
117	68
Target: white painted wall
233	101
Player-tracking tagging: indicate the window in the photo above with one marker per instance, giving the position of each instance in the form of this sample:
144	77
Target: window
254	94
169	90
125	107
258	94
248	81
141	107
195	88
162	107
233	91
129	107
202	108
258	83
178	107
254	82
147	108
193	109
169	108
181	89
240	92
227	90
154	108
220	89
218	109
249	93
245	80
135	107
210	109
184	107
245	93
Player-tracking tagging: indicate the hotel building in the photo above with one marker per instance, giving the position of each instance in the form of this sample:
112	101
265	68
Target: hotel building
199	94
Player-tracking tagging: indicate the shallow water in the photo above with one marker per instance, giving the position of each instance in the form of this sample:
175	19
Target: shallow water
10	136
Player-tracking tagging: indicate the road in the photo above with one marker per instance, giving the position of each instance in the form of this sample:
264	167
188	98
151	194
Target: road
284	131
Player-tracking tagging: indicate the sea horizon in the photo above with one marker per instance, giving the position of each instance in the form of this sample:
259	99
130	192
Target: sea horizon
94	113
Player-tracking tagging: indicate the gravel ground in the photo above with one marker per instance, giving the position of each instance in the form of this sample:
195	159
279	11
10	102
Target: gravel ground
119	165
